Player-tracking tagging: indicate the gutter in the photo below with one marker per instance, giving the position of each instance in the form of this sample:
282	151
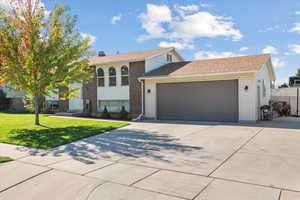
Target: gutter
194	75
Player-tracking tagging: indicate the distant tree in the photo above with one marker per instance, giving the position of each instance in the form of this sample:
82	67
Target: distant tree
285	85
41	51
298	72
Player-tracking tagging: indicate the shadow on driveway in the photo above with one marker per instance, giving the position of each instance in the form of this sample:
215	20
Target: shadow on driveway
121	143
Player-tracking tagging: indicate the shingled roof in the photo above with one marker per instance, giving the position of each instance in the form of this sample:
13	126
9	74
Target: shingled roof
210	66
125	57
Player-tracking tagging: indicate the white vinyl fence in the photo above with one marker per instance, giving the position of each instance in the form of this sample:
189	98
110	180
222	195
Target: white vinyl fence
288	95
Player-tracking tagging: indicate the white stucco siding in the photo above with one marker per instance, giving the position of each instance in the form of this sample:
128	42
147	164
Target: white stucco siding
150	99
263	80
53	96
76	103
117	92
247	100
159	60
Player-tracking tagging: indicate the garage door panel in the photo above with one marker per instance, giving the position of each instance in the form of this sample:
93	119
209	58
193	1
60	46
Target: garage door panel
205	101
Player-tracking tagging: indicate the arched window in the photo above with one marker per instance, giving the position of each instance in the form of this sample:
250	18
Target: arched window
124	75
100	77
112	76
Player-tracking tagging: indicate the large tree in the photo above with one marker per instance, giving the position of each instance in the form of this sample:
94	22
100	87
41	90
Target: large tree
41	51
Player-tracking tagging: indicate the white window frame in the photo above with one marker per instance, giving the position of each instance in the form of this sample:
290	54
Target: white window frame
112	105
112	76
125	75
102	77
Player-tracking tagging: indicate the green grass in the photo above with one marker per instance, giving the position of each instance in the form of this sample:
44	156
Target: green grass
5	159
20	129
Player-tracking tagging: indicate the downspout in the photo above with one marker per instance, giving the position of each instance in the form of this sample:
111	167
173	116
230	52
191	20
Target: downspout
141	116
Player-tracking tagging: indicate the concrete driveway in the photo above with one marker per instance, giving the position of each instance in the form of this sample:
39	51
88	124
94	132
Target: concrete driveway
162	161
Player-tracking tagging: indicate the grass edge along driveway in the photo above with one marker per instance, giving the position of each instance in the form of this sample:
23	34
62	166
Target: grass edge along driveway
19	129
4	159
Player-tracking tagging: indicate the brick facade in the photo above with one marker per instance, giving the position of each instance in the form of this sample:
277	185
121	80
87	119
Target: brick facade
136	70
89	94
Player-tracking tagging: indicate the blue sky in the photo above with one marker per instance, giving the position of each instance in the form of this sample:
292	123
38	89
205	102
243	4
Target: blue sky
199	29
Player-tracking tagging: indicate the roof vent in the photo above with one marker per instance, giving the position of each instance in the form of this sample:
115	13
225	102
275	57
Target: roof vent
101	53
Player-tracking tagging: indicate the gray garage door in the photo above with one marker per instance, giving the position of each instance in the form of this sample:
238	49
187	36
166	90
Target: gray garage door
200	101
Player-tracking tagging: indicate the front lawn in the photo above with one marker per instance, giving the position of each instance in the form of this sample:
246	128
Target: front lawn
5	159
20	129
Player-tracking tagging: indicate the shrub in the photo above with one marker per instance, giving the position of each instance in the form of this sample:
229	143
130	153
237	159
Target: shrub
3	101
123	114
105	114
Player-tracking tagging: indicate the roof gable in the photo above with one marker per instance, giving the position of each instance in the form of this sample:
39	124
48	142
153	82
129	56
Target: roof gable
127	57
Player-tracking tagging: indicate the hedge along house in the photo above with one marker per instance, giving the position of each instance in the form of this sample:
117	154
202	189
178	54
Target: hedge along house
115	82
226	89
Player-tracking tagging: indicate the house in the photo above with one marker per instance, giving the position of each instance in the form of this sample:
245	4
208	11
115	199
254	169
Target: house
294	81
159	84
225	89
115	83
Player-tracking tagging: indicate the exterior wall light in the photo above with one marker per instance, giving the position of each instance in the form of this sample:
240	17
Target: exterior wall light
149	91
246	88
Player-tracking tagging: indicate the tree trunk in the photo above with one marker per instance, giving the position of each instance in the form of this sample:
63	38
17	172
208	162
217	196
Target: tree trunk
36	110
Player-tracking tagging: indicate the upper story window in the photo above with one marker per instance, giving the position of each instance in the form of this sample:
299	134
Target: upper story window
124	75
100	77
112	76
169	58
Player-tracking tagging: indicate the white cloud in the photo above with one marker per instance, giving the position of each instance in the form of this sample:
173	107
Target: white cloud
296	28
295	48
153	19
244	48
92	38
212	54
270	49
159	23
182	10
189	7
204	24
278	63
116	19
177	45
297	12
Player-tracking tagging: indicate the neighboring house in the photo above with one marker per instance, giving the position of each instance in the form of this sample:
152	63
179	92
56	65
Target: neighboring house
15	99
159	84
294	81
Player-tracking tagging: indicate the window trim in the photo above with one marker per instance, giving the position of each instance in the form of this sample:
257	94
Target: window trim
122	102
100	77
124	75
112	76
169	58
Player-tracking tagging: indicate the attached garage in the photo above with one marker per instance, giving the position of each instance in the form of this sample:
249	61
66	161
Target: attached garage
198	101
221	90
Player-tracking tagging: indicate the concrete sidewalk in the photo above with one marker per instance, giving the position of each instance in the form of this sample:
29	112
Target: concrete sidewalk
161	161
